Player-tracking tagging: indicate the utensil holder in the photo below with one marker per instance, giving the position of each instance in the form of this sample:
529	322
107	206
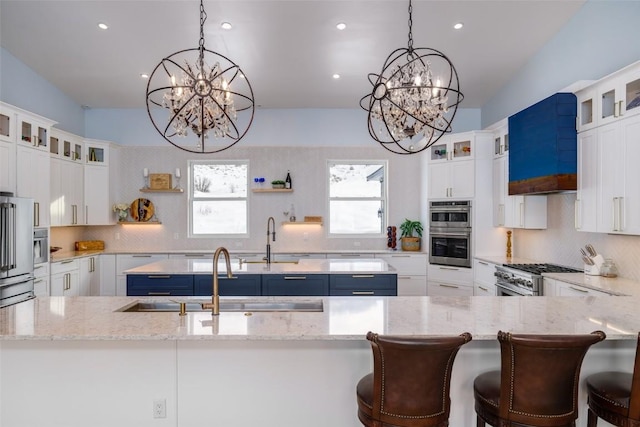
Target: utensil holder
591	270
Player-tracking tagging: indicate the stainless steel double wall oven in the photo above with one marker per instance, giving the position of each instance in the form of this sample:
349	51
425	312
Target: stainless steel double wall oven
450	233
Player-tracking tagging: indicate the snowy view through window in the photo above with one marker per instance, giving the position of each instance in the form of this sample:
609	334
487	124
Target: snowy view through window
219	198
356	198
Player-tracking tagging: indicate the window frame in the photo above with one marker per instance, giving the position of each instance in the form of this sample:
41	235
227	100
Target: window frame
384	198
191	199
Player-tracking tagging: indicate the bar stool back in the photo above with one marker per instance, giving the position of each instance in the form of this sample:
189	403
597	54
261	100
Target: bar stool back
615	396
538	381
410	383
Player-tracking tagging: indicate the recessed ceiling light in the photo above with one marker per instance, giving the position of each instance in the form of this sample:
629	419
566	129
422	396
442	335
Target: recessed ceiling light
458	25
144	75
102	25
336	76
226	26
341	26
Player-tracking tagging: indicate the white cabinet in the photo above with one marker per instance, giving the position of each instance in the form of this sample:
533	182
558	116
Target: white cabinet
65	278
484	280
89	276
127	261
108	276
449	281
99	183
7	165
558	288
515	211
501	141
611	98
41	280
608	200
66	146
451	168
33	178
411	270
33	131
67	193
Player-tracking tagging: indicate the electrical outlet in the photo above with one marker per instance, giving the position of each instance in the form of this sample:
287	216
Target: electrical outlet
117	236
176	236
305	236
160	408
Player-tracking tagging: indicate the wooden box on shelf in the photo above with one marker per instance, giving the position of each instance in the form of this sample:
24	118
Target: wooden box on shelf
160	181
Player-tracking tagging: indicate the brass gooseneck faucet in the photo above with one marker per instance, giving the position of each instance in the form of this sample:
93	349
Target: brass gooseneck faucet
270	221
215	297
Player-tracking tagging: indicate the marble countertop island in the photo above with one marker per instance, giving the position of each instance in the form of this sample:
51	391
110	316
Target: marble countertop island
305	266
342	318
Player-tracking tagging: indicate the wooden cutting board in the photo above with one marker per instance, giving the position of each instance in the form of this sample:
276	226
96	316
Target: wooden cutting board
90	245
142	210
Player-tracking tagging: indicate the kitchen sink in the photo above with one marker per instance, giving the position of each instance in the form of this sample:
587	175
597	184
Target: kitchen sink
174	306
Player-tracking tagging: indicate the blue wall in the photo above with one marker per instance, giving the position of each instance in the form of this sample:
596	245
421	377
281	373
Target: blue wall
602	37
271	127
24	88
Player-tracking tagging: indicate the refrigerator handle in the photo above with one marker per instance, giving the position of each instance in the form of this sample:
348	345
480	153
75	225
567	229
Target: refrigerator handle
8	230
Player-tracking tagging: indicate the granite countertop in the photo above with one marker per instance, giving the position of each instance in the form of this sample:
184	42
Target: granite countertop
304	266
343	318
614	286
66	255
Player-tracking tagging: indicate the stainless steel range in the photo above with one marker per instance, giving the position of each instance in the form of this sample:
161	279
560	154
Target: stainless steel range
525	279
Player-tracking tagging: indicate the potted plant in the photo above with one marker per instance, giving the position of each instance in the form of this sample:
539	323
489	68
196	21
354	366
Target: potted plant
278	183
408	241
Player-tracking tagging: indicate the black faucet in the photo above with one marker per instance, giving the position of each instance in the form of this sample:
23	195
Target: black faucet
273	237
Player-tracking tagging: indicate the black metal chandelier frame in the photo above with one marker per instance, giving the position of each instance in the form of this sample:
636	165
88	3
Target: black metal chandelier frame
202	91
382	107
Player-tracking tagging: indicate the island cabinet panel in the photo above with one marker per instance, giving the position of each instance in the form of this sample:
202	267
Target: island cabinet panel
295	284
160	284
363	284
241	285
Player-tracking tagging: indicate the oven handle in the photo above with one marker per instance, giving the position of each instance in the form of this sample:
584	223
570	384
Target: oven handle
441	234
508	291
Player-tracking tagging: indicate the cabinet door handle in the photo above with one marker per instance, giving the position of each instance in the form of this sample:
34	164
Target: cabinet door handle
86	214
158	293
522	214
350	255
36	214
363	293
501	214
295	277
362	276
38	281
92	265
66	262
584	291
159	276
483	263
449	268
448	286
483	288
576	212
400	256
141	256
616	108
404	277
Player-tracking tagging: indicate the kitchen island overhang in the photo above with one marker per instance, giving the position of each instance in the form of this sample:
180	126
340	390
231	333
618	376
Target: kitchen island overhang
286	366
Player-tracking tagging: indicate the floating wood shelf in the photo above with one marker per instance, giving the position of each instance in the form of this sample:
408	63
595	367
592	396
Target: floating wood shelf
171	190
302	223
140	222
272	190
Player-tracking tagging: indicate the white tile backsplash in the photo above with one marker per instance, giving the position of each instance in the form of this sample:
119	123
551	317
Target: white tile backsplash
308	167
560	243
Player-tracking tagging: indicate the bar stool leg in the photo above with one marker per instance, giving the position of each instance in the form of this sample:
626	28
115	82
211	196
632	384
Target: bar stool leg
480	421
592	418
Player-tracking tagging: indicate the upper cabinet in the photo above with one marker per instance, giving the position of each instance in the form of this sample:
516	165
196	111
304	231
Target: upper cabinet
451	167
99	179
7	149
66	146
610	98
501	142
33	130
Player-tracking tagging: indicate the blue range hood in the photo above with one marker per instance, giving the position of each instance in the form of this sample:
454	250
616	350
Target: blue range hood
543	147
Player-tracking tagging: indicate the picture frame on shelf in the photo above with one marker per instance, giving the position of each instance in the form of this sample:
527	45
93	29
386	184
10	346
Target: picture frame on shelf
160	181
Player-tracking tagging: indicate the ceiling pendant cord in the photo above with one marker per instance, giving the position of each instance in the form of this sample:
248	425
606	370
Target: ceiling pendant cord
410	43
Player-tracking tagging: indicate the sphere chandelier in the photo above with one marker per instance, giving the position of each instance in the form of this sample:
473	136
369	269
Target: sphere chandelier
199	107
414	98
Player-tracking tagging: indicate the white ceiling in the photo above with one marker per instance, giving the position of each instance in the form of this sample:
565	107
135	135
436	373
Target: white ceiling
289	50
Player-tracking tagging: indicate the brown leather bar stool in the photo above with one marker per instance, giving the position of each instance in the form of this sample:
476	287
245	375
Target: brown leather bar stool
409	386
615	396
538	381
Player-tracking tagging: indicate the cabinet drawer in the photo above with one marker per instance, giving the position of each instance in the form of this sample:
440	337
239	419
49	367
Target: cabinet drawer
41	270
64	266
240	285
448	289
160	284
363	284
483	272
295	285
125	262
459	275
484	290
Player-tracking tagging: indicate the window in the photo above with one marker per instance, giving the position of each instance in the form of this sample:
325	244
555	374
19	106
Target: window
218	197
357	197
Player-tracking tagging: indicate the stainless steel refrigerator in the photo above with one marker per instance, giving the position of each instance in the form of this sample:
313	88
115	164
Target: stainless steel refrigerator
16	249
